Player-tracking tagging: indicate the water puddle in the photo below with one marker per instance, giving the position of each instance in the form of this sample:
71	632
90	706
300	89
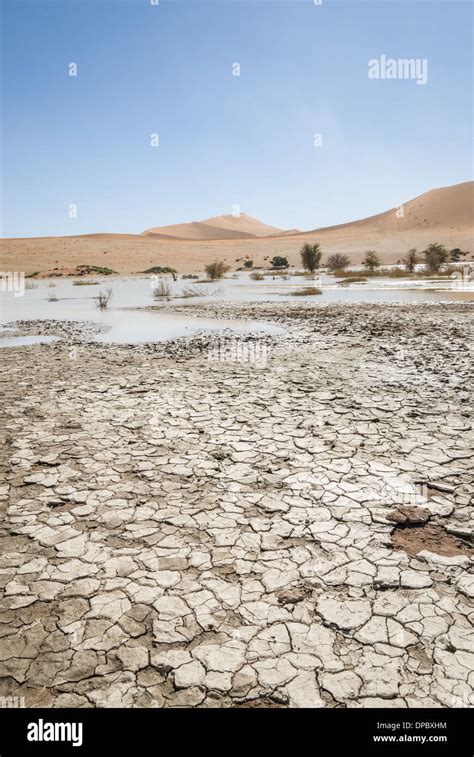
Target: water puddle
126	320
21	341
133	327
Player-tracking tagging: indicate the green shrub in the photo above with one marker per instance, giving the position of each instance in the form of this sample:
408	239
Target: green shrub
310	257
279	262
216	270
87	269
337	262
160	269
371	260
435	256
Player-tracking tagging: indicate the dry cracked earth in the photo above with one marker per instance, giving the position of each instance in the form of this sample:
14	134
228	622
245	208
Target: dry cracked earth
184	527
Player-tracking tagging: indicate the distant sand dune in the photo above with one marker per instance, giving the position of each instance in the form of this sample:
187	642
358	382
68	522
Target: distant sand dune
242	226
441	215
198	232
448	207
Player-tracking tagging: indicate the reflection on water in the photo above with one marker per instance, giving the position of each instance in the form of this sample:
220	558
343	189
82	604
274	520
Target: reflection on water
132	326
77	303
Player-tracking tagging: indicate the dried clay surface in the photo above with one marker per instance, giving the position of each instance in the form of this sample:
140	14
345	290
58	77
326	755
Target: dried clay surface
185	525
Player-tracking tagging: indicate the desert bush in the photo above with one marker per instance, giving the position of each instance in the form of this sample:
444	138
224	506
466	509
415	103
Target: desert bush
371	260
103	298
435	256
411	260
85	283
279	262
396	273
193	291
51	285
31	285
352	280
310	257
248	264
456	254
161	289
52	297
216	270
189	276
337	262
352	274
88	269
257	276
306	292
198	290
156	269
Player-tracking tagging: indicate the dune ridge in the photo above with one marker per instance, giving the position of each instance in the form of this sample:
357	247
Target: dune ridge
443	215
240	226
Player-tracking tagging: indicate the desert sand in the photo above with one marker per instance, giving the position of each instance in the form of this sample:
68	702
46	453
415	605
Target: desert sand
441	215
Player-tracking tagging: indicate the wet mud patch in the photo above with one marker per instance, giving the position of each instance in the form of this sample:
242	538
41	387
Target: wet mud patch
416	538
262	703
408	515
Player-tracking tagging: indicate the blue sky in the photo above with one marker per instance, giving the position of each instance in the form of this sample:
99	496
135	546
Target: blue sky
227	140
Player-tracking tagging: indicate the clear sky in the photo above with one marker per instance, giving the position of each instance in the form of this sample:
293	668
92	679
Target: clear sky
226	140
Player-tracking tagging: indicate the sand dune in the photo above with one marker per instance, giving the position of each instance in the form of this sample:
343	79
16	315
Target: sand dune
198	232
448	207
242	226
441	215
444	208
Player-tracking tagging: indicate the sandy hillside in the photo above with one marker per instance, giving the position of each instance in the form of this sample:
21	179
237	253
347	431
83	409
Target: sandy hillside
448	208
441	215
218	227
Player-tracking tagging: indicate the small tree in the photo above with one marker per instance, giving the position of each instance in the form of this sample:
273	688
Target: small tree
310	257
456	254
435	256
279	262
411	260
216	270
337	262
156	269
371	260
248	264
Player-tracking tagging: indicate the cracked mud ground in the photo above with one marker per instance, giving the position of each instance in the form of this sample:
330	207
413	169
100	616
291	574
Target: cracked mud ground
179	531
